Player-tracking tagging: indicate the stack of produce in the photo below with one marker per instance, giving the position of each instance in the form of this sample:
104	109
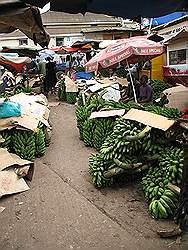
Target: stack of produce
71	97
40	141
167	112
103	128
62	90
119	149
23	144
162	201
158	87
132	149
6	135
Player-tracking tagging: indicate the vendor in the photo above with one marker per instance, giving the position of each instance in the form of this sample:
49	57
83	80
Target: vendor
146	93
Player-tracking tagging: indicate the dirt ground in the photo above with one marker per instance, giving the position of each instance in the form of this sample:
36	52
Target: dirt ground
63	210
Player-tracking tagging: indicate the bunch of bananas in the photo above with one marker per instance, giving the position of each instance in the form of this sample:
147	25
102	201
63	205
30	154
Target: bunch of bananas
120	105
40	142
116	145
88	128
62	90
23	144
165	206
158	87
168	170
82	114
172	162
151	147
80	100
6	135
164	111
97	167
103	128
71	97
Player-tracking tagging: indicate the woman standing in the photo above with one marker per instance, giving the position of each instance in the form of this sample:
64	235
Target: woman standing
50	78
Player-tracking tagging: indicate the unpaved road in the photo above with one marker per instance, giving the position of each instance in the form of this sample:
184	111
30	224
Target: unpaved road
63	210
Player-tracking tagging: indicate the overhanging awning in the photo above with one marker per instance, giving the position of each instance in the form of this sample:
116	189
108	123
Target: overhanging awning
25	18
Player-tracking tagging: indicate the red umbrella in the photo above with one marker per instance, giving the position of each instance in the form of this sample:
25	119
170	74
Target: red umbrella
132	49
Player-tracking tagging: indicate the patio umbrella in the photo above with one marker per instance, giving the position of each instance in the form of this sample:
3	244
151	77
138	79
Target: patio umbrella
132	49
125	8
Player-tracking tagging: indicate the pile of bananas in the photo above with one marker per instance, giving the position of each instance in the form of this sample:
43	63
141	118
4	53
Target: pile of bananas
169	169
71	97
172	161
88	128
158	87
6	135
167	112
82	114
116	145
165	206
23	144
97	167
40	142
103	128
62	90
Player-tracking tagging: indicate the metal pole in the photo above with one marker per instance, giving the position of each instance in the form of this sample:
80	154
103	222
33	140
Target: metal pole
151	21
135	98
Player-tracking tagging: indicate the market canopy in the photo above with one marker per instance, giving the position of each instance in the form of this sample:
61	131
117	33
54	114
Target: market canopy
123	8
133	49
15	63
21	51
16	15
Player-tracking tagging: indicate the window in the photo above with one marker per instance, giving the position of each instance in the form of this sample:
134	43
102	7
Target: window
177	57
23	42
59	41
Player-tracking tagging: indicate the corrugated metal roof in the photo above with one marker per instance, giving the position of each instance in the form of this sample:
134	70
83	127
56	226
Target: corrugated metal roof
103	29
179	20
61	17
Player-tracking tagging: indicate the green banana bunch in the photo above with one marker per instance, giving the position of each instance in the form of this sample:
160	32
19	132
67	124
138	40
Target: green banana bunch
165	206
61	91
158	87
167	112
103	128
23	144
116	145
97	167
40	142
82	114
171	162
88	128
6	135
71	97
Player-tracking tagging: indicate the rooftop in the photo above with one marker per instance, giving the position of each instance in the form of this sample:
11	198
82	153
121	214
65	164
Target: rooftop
174	22
54	17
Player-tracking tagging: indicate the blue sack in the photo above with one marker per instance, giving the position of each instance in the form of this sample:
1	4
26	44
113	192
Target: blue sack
9	109
83	75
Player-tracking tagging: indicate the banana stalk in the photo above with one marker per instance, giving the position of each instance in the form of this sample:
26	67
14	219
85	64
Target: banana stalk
139	136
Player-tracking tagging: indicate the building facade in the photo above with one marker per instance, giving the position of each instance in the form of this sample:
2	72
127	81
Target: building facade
65	29
175	34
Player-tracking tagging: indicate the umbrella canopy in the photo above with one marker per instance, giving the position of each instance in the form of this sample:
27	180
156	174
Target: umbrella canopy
125	8
133	49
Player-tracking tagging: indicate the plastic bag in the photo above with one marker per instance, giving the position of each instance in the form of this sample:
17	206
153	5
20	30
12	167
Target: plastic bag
9	109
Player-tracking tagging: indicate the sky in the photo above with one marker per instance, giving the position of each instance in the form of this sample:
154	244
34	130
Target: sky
45	9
